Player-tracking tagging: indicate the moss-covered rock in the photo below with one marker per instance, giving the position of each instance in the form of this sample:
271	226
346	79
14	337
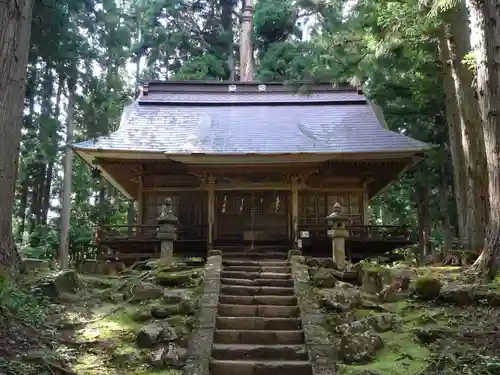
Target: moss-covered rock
312	262
377	323
55	285
360	347
328	263
324	278
427	288
343	298
143	292
159	311
29	265
171	298
178	279
140	315
154	333
372	280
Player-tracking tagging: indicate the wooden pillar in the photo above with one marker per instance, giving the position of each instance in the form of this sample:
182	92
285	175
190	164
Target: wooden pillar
295	210
364	202
211	211
140	200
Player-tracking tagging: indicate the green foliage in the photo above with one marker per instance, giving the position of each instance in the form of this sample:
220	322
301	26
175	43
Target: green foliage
19	301
206	67
18	367
273	22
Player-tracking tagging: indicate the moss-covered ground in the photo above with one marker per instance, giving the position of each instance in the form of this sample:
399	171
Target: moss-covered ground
433	339
91	331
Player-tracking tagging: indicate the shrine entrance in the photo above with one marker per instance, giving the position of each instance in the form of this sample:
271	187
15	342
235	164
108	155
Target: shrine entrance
252	218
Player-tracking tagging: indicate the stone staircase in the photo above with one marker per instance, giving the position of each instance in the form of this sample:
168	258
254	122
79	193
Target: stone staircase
258	327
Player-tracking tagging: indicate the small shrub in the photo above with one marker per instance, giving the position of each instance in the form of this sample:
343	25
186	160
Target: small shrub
427	288
21	302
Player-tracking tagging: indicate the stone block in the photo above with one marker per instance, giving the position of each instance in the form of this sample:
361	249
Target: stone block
206	317
211	286
324	369
322	354
209	300
315	334
200	344
214	253
294	252
212	274
197	366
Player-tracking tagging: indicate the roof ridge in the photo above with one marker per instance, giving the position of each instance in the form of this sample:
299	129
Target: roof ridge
238	86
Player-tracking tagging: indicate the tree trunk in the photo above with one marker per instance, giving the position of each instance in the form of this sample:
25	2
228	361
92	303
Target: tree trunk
46	193
23	169
42	162
37	196
445	215
63	256
246	50
485	17
455	137
477	211
15	26
23	203
47	196
424	221
102	202
227	25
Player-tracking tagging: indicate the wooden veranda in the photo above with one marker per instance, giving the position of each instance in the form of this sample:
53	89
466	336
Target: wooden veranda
129	243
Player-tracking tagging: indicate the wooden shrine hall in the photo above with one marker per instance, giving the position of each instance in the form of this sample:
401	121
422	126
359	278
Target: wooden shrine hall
251	164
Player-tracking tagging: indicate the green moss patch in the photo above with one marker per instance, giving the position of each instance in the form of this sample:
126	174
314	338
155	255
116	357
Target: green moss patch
401	355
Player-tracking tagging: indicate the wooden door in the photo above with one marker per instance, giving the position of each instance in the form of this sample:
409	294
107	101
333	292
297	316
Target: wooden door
248	216
233	215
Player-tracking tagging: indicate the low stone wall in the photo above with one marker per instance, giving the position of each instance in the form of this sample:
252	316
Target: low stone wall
319	343
200	344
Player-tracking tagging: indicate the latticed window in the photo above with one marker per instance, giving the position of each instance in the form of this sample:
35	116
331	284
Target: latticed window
351	206
315	206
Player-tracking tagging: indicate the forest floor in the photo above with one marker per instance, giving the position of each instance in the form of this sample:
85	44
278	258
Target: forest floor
88	325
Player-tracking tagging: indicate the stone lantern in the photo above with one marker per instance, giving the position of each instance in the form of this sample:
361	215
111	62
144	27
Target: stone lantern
167	232
338	232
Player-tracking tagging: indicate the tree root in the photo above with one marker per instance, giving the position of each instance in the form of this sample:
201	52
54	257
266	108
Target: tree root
50	365
95	320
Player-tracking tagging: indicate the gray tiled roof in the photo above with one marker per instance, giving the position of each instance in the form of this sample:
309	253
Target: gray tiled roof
271	97
225	123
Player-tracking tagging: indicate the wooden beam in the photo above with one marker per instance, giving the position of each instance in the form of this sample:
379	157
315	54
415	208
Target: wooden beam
140	201
365	202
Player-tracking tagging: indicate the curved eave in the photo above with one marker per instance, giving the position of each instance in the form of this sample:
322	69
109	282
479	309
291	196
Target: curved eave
89	158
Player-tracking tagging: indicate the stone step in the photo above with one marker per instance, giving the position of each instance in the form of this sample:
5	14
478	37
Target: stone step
221	367
259	310
254	275
255	263
257	282
256	249
258	300
261	352
230	336
239	290
273	269
258	323
254	255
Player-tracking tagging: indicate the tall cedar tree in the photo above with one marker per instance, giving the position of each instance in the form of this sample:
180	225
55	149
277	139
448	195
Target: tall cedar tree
15	27
485	20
